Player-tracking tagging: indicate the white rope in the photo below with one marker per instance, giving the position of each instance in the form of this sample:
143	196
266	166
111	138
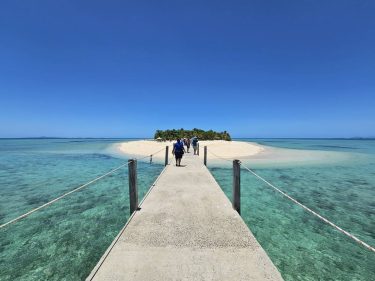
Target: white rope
61	197
70	192
150	156
312	212
104	257
222	158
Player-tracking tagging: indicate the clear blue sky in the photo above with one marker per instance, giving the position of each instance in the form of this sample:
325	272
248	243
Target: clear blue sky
262	68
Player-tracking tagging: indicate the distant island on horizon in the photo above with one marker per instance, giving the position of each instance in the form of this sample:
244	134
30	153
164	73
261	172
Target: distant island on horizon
199	133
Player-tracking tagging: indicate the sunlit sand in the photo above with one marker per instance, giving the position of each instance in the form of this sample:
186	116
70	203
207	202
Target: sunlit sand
224	149
219	151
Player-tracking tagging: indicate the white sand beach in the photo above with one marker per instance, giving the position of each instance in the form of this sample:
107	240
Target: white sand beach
249	153
225	149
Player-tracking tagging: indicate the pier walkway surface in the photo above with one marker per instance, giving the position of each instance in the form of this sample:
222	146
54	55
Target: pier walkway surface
186	230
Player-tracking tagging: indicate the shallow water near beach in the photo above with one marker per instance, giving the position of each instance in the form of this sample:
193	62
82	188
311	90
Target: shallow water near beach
300	245
64	241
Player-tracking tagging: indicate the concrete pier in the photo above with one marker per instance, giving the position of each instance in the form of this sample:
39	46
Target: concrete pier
186	230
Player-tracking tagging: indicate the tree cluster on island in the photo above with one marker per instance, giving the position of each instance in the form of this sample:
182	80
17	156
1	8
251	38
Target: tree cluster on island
200	134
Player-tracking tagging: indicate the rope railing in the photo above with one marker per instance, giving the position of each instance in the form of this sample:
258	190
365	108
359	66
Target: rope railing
74	190
152	154
220	157
327	221
356	239
62	196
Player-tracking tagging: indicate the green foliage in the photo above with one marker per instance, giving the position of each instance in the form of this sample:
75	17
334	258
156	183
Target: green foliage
200	134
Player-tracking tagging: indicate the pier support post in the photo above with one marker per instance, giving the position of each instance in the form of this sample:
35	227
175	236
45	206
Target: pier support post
205	155
133	188
236	193
166	155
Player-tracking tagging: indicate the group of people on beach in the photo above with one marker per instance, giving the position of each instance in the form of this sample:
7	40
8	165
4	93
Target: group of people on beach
179	148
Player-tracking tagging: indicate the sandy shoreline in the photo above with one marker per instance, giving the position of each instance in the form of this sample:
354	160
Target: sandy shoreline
225	149
249	153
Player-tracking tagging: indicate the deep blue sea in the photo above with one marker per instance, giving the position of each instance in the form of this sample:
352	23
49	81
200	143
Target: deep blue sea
64	241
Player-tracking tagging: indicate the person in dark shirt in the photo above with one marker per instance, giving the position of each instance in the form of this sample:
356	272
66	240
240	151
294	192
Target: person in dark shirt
195	144
187	145
178	151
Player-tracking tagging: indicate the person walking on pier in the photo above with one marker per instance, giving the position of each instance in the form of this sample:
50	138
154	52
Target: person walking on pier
187	145
178	151
195	144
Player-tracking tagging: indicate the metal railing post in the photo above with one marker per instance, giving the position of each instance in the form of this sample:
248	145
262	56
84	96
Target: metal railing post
236	193
133	188
166	155
205	155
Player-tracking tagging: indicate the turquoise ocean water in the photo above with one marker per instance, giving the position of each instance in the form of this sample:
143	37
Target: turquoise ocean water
341	187
65	240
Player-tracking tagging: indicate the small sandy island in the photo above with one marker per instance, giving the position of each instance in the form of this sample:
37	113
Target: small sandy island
225	149
249	153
